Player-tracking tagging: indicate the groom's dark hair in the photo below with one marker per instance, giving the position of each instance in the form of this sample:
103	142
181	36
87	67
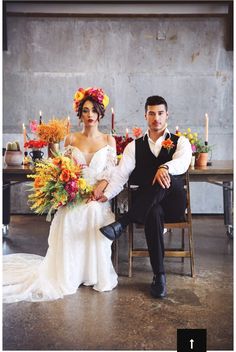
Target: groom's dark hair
155	100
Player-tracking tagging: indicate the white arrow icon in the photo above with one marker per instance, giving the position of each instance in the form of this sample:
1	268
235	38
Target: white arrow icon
191	344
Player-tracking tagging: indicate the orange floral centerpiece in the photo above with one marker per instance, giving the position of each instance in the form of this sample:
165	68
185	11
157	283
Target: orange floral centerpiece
52	133
57	183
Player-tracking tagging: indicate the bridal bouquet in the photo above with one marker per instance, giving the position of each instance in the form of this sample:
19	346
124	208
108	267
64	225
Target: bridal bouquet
57	182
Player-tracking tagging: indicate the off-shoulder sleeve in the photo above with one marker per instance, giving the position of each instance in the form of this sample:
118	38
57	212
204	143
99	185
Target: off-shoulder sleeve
111	161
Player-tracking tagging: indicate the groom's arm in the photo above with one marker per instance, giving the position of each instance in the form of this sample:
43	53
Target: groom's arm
121	173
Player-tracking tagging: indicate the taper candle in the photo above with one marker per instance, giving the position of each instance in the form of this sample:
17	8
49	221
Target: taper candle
206	127
112	119
40	117
68	124
127	133
24	135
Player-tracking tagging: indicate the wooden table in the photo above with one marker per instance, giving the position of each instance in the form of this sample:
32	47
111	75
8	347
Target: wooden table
219	173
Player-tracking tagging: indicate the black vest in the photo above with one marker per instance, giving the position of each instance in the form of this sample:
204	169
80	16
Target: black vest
146	162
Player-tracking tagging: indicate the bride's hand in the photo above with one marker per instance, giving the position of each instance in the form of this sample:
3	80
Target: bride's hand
99	189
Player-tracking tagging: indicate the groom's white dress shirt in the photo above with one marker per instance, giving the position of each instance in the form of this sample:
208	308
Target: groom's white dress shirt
177	166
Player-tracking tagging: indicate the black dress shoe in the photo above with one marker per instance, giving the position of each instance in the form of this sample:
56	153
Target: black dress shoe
158	286
112	231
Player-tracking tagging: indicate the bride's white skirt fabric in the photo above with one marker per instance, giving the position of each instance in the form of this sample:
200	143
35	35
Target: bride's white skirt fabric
78	254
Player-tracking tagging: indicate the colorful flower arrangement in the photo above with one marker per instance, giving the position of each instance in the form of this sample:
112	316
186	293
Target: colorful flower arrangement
122	141
192	137
197	144
57	182
97	94
52	132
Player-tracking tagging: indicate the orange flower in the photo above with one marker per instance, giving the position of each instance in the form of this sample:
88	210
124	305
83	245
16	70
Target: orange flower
65	175
168	144
37	182
137	132
56	161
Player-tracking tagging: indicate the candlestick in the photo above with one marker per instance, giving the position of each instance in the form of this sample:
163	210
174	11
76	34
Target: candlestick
127	133
112	119
40	117
68	124
24	135
206	127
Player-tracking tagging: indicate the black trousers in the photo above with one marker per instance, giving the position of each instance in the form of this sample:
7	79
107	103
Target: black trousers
152	206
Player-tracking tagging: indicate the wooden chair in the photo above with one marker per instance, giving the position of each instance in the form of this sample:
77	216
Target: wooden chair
185	228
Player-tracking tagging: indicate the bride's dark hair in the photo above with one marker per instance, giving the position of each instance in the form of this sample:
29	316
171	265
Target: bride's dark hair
99	108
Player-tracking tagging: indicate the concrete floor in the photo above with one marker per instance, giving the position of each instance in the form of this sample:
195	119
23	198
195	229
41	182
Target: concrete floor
128	318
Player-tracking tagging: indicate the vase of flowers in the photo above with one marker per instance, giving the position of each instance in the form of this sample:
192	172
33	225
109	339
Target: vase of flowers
36	145
200	149
53	133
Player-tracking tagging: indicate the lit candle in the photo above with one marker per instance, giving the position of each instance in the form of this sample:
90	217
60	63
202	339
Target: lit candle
206	127
40	117
24	134
112	119
68	124
176	129
127	133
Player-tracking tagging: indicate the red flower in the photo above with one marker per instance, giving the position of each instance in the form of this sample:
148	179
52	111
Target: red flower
34	144
121	143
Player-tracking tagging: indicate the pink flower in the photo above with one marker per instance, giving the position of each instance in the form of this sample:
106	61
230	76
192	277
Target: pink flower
137	132
33	126
194	148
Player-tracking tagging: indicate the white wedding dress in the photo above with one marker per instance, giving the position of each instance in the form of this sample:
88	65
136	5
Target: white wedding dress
78	253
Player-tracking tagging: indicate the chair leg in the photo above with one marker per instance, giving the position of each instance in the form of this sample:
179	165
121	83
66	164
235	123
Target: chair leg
183	245
191	250
131	245
115	254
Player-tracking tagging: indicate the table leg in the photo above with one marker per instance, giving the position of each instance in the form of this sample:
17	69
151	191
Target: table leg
6	207
228	207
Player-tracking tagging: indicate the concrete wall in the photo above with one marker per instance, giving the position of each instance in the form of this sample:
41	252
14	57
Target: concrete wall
182	59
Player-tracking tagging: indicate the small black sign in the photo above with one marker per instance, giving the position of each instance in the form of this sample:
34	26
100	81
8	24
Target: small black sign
191	340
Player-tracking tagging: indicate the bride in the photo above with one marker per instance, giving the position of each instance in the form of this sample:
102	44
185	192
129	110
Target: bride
78	253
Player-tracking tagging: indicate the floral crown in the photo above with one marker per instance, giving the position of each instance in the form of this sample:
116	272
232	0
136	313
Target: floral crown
96	93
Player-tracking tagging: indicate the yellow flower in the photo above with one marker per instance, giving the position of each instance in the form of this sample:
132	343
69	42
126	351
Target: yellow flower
188	130
82	184
105	101
79	95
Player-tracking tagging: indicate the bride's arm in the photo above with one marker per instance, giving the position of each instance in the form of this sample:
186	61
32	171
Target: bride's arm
105	176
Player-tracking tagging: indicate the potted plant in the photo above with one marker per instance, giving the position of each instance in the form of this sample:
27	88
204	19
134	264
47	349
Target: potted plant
201	153
13	154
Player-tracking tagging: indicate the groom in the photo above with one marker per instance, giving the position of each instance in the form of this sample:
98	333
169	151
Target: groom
154	163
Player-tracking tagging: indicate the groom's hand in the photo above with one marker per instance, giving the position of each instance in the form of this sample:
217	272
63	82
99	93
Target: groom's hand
162	177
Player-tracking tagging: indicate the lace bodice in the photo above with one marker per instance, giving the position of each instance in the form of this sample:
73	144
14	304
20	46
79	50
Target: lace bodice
101	162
